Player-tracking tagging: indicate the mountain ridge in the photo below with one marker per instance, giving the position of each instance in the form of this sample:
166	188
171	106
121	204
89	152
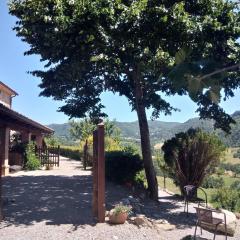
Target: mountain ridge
161	130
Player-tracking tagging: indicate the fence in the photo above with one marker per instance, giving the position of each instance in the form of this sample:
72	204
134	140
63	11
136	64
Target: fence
48	156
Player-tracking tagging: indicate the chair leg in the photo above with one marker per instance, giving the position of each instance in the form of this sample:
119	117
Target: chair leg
185	204
195	232
226	231
215	231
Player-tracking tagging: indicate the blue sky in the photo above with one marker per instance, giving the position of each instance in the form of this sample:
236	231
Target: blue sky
13	72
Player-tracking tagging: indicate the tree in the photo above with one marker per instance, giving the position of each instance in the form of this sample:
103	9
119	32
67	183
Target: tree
111	130
191	156
52	141
83	129
133	48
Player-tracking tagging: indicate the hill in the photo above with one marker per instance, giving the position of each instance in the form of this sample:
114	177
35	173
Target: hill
232	140
161	131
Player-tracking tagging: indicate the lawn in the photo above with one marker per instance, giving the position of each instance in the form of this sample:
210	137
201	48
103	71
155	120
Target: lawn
210	191
228	158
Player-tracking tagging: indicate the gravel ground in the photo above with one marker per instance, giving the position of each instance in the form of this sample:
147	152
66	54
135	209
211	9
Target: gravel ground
56	204
172	210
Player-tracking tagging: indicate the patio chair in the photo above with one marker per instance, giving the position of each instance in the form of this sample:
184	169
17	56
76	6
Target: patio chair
205	217
190	195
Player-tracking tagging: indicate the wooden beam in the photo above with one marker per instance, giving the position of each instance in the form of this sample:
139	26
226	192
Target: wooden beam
20	127
9	115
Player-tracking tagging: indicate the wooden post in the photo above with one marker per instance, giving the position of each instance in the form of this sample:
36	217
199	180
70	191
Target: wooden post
85	149
101	174
26	137
95	174
164	181
58	157
4	149
39	141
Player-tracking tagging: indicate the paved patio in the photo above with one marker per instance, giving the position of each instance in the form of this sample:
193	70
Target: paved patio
56	204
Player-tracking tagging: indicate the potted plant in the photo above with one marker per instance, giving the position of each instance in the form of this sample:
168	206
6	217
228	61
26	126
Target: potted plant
119	214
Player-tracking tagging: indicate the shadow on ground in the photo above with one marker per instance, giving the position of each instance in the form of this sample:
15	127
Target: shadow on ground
60	200
54	199
169	208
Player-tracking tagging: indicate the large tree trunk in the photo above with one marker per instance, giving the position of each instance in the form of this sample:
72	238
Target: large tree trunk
145	141
146	153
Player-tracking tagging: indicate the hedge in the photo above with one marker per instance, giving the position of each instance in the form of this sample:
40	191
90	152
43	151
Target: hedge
71	152
122	167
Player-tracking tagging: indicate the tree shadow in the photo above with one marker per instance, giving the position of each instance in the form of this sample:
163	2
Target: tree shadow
58	200
171	209
54	199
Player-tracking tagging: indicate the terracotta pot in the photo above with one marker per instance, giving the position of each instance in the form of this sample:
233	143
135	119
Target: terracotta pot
119	218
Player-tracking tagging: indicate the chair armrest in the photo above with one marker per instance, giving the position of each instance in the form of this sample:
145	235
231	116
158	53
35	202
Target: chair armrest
215	211
220	212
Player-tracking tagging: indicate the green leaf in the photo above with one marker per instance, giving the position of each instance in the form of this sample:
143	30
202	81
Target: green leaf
182	54
194	88
215	94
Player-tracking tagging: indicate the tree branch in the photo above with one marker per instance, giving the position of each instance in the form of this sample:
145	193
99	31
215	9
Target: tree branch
219	71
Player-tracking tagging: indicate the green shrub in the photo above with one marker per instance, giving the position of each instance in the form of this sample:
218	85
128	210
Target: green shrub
213	182
132	148
191	156
140	179
235	185
220	171
235	168
226	166
227	198
32	162
70	152
237	154
122	167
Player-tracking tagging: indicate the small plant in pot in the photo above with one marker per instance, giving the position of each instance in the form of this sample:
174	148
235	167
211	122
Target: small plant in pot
119	214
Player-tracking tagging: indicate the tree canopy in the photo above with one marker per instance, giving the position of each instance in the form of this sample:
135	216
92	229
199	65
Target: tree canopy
139	49
93	46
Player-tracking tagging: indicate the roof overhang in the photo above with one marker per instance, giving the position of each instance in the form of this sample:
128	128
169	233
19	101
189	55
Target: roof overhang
19	122
10	90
